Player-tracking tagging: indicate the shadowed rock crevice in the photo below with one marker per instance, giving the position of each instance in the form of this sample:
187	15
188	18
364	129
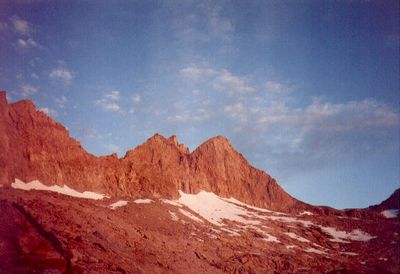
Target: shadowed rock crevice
37	248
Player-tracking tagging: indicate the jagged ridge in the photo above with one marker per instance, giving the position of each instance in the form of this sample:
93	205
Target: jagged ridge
36	147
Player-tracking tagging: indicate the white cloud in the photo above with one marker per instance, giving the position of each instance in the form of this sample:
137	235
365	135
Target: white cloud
317	132
236	111
221	80
113	95
109	101
196	115
27	90
196	73
28	43
347	116
62	74
201	114
205	25
136	98
49	111
61	101
226	81
178	118
276	87
21	26
34	76
220	27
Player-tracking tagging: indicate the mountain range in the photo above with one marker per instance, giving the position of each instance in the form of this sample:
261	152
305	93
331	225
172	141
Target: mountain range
163	209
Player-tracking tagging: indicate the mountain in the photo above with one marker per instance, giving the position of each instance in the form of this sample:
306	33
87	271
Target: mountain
36	147
393	201
164	209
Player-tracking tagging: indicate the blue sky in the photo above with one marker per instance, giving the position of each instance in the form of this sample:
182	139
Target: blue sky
307	90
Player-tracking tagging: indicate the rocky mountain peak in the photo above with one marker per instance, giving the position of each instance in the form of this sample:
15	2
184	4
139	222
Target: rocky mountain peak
393	201
42	149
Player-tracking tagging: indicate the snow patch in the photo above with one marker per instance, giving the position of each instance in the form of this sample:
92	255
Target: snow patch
237	202
290	246
267	237
174	203
314	250
118	204
343	236
218	211
349	253
270	238
231	232
143	201
65	190
290	220
215	209
173	216
305	213
190	215
390	213
383	259
296	237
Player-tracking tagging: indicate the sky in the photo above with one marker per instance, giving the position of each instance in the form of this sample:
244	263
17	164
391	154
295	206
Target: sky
306	90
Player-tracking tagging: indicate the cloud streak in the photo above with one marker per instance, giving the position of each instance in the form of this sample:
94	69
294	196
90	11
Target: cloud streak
28	43
21	26
318	133
221	80
28	90
61	74
109	101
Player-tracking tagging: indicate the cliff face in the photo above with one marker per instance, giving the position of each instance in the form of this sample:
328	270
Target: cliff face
36	147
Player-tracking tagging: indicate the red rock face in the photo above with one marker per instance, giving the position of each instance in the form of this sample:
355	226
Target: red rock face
36	147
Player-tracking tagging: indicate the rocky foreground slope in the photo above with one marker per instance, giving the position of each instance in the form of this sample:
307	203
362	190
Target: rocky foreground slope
46	232
162	209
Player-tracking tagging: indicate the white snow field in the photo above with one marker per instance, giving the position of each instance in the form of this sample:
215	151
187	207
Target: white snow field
390	213
65	190
118	204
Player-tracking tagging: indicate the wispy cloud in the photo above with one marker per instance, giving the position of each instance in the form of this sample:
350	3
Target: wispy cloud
62	74
27	90
27	43
21	26
34	76
349	116
49	111
195	72
221	80
195	115
219	25
206	25
226	81
318	132
277	87
61	101
136	98
109	101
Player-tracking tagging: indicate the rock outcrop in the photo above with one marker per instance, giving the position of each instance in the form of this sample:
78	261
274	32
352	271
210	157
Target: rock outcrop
36	147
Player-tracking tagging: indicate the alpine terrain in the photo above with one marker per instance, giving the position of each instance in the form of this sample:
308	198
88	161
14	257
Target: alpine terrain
164	209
